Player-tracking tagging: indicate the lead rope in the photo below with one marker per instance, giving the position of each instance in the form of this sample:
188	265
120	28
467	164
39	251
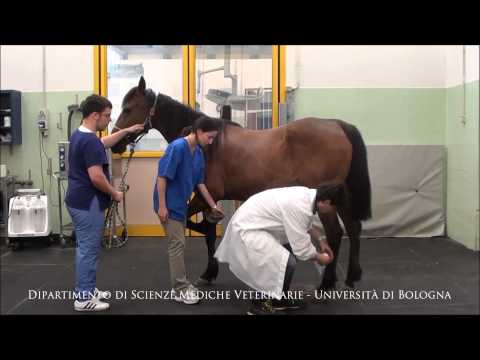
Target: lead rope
110	239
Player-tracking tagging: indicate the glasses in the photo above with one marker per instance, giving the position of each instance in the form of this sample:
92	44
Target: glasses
108	115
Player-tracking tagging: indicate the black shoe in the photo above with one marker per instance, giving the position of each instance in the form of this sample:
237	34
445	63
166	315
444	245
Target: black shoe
262	308
288	304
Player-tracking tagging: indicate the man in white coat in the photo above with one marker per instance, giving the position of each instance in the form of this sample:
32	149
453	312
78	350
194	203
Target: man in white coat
258	235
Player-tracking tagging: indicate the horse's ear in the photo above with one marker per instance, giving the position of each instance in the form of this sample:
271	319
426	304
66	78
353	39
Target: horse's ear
142	85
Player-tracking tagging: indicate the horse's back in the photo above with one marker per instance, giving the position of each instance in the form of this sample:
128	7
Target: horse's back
318	150
306	152
316	126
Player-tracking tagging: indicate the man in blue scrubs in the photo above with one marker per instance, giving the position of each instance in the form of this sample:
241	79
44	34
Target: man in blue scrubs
89	193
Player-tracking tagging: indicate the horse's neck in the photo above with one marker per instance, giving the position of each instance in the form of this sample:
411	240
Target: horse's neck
176	123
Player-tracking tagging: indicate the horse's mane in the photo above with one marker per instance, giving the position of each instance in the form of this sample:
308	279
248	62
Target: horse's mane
179	111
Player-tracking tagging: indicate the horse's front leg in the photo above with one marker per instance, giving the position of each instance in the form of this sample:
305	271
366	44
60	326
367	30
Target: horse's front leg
209	230
211	272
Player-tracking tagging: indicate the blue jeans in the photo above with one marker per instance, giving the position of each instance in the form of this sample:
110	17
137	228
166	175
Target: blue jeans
89	226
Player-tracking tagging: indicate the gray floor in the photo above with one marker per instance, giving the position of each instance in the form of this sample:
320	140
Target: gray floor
397	266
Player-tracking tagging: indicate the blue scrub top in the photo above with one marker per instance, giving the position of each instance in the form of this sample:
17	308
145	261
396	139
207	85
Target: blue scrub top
183	172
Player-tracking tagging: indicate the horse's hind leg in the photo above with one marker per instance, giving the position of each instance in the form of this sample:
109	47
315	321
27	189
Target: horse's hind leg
353	228
333	232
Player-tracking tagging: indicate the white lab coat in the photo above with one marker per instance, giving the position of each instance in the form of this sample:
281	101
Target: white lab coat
252	244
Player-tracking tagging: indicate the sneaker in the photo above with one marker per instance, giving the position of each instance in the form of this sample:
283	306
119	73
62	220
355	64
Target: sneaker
94	304
188	296
263	308
288	304
102	294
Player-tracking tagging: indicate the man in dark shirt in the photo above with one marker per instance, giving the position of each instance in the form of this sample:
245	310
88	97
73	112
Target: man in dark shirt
89	194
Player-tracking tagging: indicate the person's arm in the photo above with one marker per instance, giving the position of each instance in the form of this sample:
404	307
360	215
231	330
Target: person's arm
110	140
296	229
315	233
167	169
208	198
99	180
94	156
162	204
324	247
206	195
216	210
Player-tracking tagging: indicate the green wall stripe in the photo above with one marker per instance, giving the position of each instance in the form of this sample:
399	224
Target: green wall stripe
384	116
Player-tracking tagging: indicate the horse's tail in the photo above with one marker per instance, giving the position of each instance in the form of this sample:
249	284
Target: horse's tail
358	179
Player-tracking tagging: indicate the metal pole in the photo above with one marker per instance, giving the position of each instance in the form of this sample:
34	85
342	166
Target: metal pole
60	209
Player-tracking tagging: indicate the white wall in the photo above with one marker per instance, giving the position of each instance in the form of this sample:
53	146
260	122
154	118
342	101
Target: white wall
361	66
68	68
472	62
21	68
71	67
454	71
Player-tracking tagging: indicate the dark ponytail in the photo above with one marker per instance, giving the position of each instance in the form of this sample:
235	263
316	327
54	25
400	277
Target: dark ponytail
206	124
187	130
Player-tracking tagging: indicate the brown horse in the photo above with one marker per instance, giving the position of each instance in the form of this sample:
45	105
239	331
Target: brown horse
241	162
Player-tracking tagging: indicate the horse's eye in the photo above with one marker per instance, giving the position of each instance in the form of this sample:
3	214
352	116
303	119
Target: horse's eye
126	110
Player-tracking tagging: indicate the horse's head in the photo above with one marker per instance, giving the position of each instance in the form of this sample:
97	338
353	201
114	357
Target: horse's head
169	116
136	107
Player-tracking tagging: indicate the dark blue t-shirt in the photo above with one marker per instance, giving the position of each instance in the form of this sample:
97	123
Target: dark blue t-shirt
183	172
85	150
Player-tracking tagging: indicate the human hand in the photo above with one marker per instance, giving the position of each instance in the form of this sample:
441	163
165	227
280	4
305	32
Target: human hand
163	214
217	211
325	248
135	128
323	258
117	196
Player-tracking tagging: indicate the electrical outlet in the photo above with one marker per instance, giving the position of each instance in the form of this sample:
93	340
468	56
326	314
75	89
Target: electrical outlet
42	121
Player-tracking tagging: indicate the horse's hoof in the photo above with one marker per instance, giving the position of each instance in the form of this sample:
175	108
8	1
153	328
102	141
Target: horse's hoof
327	284
354	274
203	282
326	287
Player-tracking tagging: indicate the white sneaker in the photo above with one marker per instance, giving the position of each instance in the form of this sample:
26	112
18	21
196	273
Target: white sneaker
102	294
94	304
188	296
